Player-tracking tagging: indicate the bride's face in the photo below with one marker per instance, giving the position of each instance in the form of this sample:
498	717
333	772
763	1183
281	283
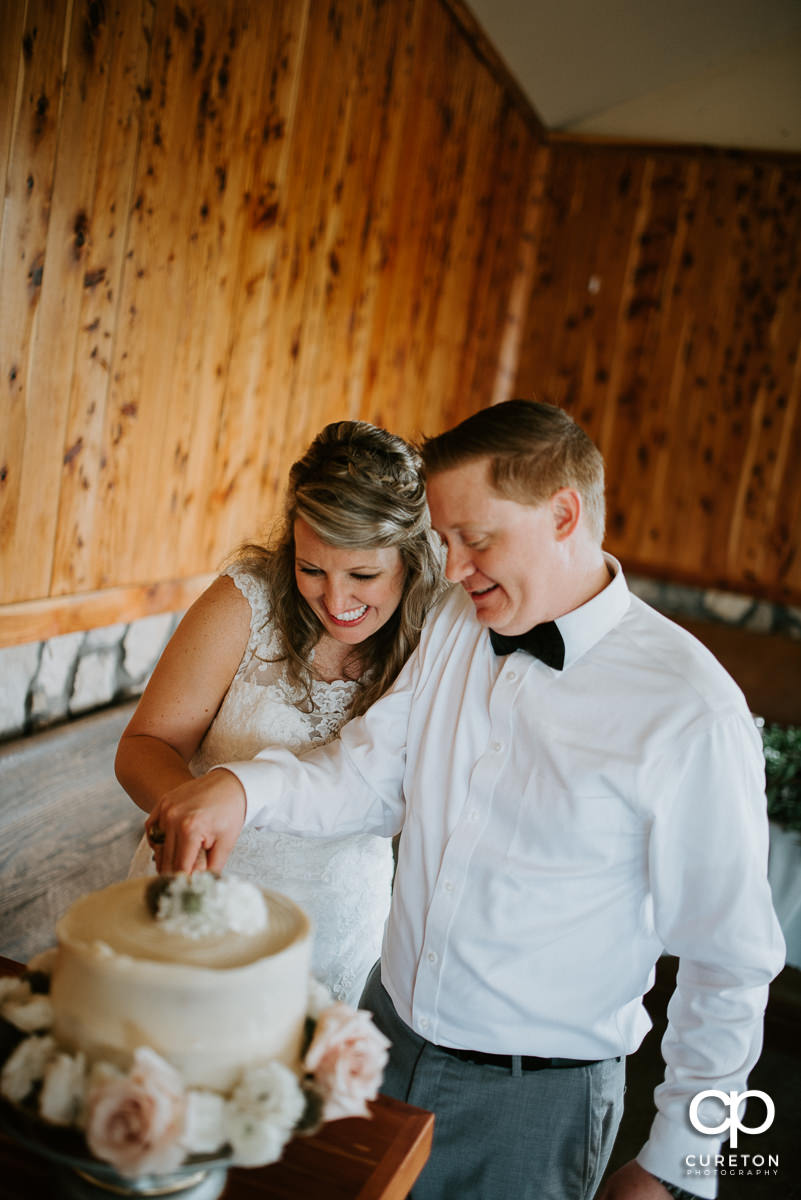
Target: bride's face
353	592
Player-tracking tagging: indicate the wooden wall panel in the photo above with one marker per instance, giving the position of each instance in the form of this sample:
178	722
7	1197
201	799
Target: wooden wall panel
27	422
226	223
665	315
108	147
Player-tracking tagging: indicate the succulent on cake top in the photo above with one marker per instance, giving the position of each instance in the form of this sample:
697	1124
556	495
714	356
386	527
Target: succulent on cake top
206	904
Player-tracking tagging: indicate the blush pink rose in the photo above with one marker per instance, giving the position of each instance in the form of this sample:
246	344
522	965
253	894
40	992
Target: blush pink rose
347	1057
135	1121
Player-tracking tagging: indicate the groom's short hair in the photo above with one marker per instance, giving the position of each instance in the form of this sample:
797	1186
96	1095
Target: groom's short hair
532	449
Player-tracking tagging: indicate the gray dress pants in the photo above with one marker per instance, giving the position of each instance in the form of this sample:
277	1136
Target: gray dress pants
500	1133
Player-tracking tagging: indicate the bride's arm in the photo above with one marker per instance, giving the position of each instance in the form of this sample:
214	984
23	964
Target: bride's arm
353	784
184	693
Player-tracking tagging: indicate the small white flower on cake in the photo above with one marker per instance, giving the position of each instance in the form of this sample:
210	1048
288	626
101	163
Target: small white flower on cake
28	1011
319	998
64	1090
204	1126
262	1113
25	1067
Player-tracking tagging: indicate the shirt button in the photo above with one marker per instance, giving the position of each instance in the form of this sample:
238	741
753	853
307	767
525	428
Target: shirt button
497	747
511	675
473	815
424	1022
448	885
431	956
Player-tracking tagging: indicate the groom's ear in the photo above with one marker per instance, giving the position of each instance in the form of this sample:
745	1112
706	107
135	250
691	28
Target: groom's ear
566	509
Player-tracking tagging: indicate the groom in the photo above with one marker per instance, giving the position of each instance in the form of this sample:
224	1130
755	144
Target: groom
564	764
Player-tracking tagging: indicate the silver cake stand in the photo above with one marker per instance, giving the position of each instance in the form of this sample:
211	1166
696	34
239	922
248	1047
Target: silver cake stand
84	1178
194	1182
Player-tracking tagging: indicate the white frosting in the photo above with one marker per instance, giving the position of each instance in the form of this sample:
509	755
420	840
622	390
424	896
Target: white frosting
210	1005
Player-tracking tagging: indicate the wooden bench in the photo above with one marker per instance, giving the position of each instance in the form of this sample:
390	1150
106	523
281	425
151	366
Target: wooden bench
66	825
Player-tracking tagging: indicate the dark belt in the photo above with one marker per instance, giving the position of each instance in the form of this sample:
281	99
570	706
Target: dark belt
528	1062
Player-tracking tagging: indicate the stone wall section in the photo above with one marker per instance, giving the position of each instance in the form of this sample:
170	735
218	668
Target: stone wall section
45	683
726	608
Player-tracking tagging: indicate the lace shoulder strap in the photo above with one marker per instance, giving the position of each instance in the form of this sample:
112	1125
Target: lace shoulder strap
254	590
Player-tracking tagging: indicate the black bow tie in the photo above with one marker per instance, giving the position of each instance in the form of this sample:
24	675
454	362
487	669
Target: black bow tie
543	641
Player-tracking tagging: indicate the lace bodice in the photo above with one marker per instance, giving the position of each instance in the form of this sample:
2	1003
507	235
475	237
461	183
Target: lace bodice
342	883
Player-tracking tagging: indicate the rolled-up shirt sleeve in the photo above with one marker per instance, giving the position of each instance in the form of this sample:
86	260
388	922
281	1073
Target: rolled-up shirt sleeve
713	909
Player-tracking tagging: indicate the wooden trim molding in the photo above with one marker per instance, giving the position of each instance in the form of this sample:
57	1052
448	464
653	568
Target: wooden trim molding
38	620
486	53
608	141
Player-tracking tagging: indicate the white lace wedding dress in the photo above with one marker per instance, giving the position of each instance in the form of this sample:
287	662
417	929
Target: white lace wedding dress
343	884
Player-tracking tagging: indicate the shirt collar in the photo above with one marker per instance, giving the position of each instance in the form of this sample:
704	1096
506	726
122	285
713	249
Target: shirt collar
582	628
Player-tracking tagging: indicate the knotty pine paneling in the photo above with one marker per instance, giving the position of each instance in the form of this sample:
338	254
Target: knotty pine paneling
226	223
665	315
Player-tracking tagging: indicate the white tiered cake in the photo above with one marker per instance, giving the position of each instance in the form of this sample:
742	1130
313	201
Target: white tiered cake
210	1004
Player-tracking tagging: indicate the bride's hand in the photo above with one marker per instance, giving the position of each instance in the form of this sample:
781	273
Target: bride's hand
202	815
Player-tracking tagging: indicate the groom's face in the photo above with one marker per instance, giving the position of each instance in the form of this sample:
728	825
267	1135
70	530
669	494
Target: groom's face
503	553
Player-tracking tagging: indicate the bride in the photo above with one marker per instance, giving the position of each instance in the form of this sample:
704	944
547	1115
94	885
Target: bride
284	647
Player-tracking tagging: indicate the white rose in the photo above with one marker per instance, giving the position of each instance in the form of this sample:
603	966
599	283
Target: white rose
25	1067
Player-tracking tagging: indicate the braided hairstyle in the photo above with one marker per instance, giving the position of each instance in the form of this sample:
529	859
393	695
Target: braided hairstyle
357	486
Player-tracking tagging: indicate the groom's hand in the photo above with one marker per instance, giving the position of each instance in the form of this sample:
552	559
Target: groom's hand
202	815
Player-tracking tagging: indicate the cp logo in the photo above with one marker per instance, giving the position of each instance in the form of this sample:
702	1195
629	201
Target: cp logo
732	1101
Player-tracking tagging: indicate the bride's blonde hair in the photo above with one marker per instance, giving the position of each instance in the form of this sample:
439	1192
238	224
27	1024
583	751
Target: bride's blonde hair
357	486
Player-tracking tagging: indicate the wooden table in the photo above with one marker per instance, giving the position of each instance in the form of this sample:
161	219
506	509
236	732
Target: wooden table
353	1159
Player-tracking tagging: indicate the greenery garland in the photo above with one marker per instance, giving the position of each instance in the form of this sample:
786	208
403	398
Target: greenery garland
782	748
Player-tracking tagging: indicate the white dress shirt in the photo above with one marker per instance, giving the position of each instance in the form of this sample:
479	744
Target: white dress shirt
560	829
